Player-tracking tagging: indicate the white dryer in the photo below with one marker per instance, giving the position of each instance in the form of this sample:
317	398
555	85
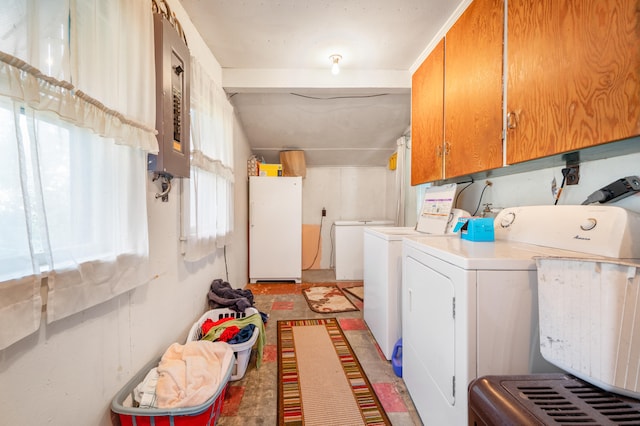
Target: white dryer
470	308
383	263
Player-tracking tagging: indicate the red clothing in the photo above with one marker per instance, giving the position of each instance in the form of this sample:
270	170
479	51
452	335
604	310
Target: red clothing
208	323
228	333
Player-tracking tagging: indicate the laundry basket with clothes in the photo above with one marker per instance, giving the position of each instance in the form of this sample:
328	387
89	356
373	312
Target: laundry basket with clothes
241	330
185	387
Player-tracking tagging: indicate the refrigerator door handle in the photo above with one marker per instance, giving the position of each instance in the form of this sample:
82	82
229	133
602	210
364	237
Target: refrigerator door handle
251	208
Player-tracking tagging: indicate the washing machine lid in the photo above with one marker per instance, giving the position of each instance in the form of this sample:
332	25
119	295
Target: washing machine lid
436	207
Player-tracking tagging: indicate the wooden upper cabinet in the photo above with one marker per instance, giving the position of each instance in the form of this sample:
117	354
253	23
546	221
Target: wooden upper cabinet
456	99
427	118
573	75
473	90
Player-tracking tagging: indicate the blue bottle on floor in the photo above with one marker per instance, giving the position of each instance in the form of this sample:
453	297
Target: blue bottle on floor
396	358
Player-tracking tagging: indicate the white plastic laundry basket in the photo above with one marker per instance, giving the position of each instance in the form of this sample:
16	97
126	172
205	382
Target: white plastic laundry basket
242	350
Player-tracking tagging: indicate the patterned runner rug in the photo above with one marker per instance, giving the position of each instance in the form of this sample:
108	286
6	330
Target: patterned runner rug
320	381
327	299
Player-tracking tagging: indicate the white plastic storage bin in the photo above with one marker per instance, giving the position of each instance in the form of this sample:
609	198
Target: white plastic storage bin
589	320
242	350
349	255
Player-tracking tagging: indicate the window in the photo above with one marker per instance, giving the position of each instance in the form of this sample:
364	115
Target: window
73	210
14	244
210	197
74	141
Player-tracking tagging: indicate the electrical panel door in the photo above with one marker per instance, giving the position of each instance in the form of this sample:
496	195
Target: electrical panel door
172	101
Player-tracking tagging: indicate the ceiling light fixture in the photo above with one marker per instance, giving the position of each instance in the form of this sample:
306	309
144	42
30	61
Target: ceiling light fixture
335	68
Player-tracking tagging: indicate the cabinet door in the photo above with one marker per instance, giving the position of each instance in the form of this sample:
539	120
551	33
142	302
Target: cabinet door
573	75
427	118
473	90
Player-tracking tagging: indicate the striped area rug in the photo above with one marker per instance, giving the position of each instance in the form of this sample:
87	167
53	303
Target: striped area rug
320	381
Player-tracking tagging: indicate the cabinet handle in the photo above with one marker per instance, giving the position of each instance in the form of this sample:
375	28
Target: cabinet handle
447	148
512	120
439	151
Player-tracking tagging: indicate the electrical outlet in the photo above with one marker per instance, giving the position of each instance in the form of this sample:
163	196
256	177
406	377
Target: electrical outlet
571	175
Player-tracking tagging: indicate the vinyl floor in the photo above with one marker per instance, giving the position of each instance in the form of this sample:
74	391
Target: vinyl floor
253	400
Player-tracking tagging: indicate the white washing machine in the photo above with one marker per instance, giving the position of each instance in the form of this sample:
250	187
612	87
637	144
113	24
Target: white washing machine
470	308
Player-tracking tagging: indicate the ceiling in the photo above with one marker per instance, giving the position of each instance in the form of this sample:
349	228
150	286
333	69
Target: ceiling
275	64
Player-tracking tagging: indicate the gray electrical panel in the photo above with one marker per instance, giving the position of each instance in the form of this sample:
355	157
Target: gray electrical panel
172	101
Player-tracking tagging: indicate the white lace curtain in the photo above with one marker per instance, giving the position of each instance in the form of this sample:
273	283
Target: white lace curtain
77	118
101	48
210	197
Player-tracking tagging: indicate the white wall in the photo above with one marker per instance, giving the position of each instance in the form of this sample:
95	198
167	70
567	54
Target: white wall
348	193
392	195
68	372
534	188
238	249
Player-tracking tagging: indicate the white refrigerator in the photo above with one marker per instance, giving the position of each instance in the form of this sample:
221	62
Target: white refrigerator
275	229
